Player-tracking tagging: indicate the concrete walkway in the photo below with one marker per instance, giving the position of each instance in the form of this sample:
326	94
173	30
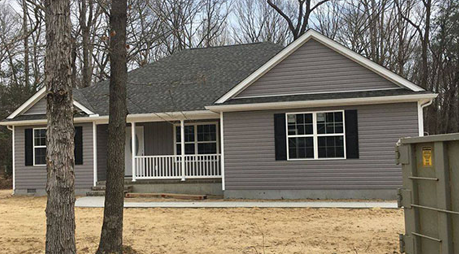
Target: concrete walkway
99	202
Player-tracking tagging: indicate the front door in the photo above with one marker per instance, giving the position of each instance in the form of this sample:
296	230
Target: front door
128	150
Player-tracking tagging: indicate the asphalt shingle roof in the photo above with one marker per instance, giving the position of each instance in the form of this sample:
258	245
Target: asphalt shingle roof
194	78
188	80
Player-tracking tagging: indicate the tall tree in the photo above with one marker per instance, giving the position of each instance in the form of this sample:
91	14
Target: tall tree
257	22
423	28
85	36
444	71
213	23
305	8
25	16
60	159
111	240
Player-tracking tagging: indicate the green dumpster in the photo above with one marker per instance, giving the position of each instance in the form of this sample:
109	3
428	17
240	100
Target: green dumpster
430	194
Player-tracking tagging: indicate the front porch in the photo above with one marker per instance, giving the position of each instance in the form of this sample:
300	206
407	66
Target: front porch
160	156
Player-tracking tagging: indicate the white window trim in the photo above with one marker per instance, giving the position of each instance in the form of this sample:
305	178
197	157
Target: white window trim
34	146
315	135
196	142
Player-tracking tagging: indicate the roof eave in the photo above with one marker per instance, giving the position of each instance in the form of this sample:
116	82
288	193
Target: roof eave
147	117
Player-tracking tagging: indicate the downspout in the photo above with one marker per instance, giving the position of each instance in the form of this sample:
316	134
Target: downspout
421	115
11	128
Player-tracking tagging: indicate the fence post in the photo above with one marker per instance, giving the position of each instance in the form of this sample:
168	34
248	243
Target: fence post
133	150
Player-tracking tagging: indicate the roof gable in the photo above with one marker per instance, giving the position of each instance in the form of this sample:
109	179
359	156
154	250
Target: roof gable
368	70
39	108
36	105
314	68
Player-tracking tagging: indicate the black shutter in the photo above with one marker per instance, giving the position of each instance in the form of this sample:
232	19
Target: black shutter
352	134
280	137
28	147
78	145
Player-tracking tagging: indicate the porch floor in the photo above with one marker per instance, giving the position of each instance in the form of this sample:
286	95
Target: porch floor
98	202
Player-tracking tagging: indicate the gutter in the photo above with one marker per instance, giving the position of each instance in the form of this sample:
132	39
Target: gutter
427	104
321	103
421	106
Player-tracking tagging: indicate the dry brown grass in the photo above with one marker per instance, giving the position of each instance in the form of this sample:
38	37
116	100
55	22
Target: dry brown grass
242	230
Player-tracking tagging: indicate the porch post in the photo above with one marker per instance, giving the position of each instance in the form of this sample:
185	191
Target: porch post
182	147
222	152
94	147
14	157
133	149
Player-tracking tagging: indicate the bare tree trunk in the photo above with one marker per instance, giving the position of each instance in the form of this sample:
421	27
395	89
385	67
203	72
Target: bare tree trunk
60	214
35	61
303	15
425	45
84	24
74	68
26	43
111	240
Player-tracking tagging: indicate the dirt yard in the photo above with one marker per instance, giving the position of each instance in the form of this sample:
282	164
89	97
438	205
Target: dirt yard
22	229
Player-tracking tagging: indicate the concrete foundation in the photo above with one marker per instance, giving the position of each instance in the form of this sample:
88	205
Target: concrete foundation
42	192
311	194
196	187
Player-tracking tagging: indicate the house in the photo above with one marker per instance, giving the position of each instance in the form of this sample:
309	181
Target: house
311	120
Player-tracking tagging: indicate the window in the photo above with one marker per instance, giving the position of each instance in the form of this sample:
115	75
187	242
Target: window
189	140
199	139
315	135
39	147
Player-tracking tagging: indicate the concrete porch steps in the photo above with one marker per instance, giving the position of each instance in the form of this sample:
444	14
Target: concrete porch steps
166	195
99	190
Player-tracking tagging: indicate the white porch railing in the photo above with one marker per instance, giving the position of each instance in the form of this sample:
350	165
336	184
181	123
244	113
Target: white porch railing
170	166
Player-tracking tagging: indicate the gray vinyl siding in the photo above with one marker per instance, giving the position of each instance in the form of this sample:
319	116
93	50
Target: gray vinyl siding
315	68
159	138
37	109
250	156
102	138
34	177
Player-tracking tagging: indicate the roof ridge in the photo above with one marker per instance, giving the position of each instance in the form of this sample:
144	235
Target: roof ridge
234	45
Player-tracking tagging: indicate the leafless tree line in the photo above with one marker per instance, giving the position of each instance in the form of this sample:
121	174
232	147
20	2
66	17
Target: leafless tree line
98	39
416	39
